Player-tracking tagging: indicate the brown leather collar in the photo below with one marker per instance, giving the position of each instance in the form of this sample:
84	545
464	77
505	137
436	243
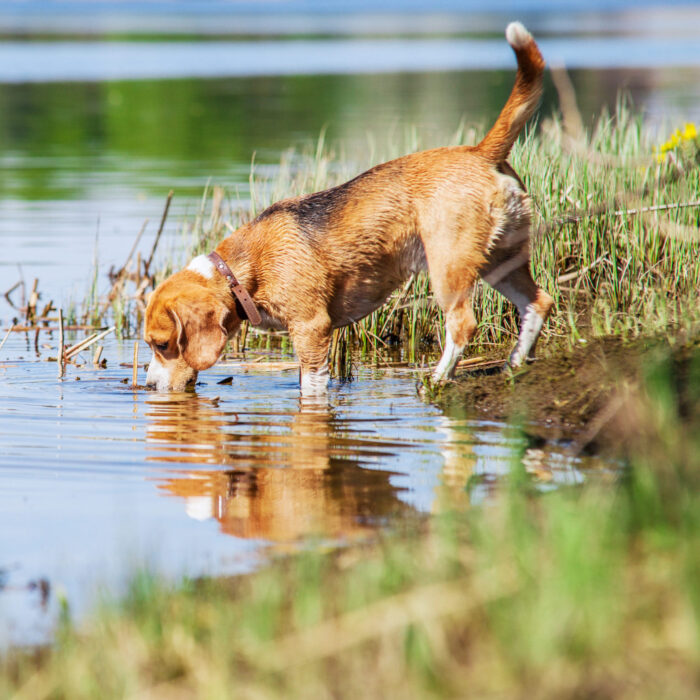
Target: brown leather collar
239	291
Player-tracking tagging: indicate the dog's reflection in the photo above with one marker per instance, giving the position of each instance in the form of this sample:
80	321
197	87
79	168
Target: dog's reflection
284	475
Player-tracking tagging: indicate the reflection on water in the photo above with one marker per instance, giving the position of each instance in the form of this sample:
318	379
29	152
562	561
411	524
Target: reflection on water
303	478
96	479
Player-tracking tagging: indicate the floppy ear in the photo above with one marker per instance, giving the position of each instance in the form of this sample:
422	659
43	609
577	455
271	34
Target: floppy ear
201	335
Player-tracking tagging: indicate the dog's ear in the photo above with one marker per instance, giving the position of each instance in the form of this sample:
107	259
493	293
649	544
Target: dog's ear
201	335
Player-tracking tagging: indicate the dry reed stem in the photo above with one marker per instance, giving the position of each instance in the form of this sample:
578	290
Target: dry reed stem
471	361
578	273
33	301
85	344
244	334
61	352
133	247
575	218
574	131
135	370
97	356
399	300
12	289
76	327
484	364
122	274
573	123
7	335
46	311
169	198
79	346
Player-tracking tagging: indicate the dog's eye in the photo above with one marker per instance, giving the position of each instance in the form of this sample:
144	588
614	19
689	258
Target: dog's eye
161	347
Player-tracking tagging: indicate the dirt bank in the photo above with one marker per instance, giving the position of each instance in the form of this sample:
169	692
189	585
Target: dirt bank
566	394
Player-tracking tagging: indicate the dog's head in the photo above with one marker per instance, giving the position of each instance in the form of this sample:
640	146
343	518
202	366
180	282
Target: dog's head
187	325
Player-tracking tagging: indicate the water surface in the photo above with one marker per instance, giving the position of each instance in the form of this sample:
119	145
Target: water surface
97	479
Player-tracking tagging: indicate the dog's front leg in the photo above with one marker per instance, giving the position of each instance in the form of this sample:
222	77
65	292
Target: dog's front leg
311	341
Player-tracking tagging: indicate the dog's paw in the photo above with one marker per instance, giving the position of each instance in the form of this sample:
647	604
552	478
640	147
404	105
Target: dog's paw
429	388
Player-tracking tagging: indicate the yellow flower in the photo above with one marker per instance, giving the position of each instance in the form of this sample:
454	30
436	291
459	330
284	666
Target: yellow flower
690	132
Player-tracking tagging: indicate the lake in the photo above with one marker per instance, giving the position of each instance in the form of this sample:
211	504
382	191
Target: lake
97	479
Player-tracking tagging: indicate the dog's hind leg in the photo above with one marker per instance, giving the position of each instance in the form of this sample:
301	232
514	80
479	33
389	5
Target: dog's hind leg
459	330
533	304
452	277
460	326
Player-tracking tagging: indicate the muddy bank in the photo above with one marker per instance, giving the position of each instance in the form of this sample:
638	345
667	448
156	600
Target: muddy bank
566	394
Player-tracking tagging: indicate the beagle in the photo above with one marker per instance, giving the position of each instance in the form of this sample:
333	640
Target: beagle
317	262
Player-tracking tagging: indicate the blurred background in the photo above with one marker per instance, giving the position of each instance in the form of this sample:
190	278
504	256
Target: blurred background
108	105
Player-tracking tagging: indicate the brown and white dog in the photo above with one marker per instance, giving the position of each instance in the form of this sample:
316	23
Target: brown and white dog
321	261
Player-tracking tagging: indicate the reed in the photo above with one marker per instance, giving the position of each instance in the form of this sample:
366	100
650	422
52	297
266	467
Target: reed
616	238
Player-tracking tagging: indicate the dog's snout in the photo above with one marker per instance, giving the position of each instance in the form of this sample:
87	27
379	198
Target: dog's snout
170	377
157	375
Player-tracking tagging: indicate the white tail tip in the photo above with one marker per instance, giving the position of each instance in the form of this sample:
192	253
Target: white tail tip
517	35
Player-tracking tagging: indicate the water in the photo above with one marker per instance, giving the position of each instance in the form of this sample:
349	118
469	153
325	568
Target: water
97	479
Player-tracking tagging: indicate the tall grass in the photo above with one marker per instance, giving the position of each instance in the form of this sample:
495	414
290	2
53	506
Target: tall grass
584	592
623	272
611	268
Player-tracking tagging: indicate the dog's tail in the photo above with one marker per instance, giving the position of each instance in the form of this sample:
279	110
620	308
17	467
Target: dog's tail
523	98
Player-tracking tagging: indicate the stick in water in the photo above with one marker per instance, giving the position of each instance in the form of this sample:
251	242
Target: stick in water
98	354
7	335
60	359
85	344
134	375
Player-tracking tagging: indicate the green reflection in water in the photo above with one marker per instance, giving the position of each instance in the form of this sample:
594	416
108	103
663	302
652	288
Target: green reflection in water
52	136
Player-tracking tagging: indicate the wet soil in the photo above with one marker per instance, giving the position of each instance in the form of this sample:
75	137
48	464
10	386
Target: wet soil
565	394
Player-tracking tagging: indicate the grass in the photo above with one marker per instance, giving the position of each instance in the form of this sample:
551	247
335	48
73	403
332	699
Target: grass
584	592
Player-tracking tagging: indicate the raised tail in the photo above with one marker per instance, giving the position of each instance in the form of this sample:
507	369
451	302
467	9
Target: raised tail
523	98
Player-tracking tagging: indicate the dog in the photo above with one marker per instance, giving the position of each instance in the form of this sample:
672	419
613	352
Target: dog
321	261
